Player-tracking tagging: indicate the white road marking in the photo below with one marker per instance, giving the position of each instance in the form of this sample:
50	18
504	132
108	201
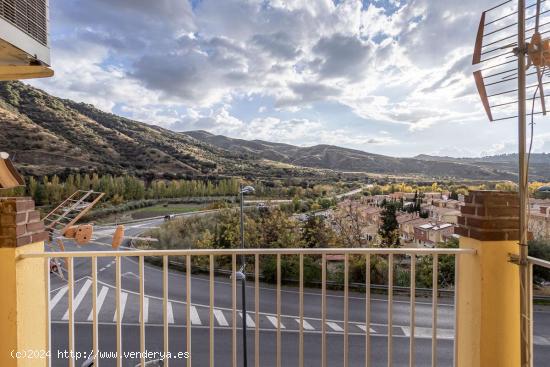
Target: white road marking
540	340
102	269
249	321
103	233
195	319
334	326
307	325
145	226
426	333
220	318
145	310
206	306
79	298
169	313
100	299
58	297
108	265
364	328
123	298
129	274
273	320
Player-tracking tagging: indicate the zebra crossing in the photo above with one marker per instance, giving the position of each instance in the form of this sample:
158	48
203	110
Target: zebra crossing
200	315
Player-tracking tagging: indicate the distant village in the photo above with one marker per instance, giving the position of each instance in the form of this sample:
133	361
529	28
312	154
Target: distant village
433	221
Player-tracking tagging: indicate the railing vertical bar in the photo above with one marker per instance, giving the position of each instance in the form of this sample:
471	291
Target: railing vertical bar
257	310
346	310
278	310
367	312
324	310
95	340
165	307
142	309
456	274
530	299
188	307
234	308
412	322
390	310
301	301
211	316
435	273
70	309
118	314
48	316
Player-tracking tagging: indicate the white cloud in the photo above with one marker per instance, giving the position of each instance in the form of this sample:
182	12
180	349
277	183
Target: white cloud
403	65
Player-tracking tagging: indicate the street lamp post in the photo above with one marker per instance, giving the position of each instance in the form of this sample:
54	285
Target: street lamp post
241	274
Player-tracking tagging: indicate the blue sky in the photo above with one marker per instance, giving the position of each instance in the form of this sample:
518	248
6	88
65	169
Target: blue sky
370	75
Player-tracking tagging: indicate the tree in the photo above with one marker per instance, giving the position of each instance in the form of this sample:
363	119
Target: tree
454	195
350	224
506	186
316	234
541	250
325	203
389	228
446	276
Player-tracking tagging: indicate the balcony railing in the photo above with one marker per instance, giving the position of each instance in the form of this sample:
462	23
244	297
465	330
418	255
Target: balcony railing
533	262
342	327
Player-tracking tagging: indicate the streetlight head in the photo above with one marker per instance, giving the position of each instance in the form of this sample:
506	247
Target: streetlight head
247	190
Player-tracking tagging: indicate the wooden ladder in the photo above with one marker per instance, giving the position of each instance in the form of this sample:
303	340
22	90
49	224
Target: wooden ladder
70	211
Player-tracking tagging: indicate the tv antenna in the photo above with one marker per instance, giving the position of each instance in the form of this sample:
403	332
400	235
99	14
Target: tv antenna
511	60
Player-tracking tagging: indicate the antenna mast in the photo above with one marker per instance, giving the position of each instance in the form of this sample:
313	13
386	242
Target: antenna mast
525	317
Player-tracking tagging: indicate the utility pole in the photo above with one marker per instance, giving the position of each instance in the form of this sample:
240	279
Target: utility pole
243	280
242	273
525	317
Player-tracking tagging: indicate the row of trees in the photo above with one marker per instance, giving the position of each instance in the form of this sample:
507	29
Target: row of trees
51	190
452	188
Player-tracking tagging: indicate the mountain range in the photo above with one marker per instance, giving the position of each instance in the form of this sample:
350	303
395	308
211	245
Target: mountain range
45	135
501	167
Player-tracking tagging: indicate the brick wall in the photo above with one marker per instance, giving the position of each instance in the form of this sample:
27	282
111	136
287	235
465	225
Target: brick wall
490	216
20	223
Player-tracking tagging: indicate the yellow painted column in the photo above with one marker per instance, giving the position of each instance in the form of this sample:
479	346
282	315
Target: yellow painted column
488	303
23	283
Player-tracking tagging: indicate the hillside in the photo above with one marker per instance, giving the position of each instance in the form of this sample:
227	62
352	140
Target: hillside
343	159
539	163
48	135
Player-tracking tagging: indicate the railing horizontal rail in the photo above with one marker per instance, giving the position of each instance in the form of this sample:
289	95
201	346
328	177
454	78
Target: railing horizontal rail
225	252
539	262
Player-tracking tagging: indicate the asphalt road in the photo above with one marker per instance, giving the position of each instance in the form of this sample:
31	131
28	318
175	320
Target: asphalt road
223	320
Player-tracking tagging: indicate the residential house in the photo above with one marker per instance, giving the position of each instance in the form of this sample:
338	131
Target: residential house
539	222
407	222
442	214
429	234
429	196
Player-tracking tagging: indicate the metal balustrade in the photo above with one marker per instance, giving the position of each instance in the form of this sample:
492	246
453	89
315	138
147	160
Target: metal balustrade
533	261
367	255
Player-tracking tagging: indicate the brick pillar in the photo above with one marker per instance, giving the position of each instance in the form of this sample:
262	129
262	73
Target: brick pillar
23	323
488	292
